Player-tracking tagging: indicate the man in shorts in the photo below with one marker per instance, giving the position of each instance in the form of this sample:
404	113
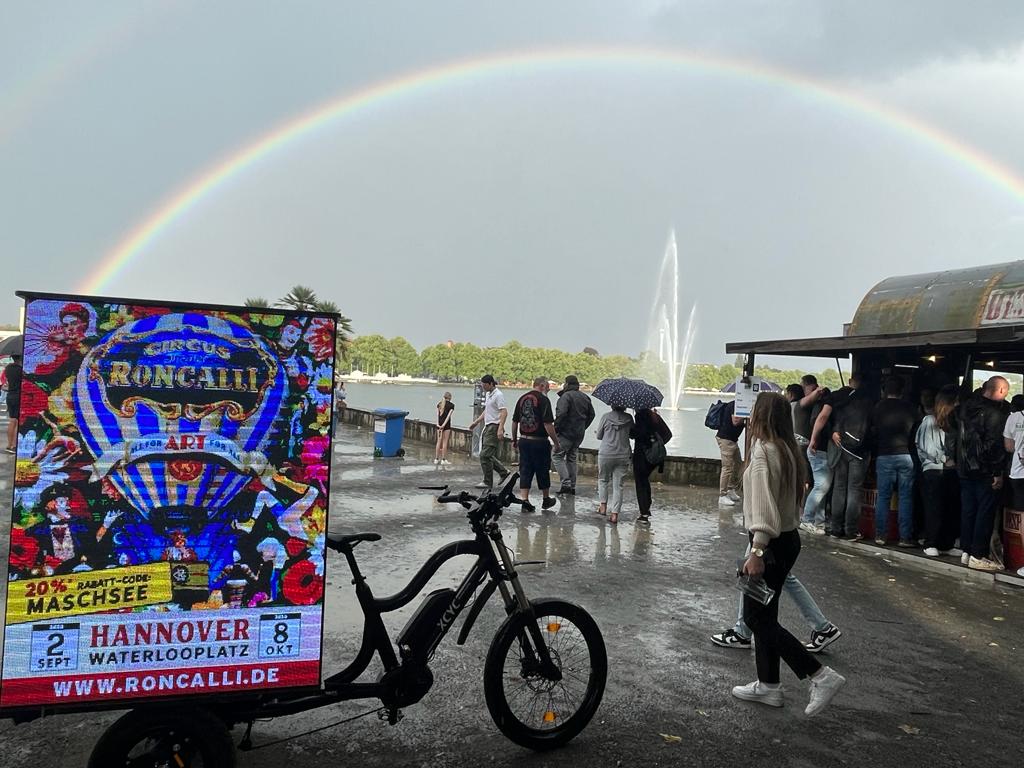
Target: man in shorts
12	375
533	424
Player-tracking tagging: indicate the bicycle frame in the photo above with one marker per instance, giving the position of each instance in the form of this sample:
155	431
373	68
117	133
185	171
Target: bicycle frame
406	680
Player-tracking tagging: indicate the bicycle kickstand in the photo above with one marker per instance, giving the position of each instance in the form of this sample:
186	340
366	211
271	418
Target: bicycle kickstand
392	714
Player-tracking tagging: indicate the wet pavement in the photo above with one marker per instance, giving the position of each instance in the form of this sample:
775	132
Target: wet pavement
933	659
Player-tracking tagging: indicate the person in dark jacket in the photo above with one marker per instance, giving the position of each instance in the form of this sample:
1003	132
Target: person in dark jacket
852	419
980	457
648	424
573	414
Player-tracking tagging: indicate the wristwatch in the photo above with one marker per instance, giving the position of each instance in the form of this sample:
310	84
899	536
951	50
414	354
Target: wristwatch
757	551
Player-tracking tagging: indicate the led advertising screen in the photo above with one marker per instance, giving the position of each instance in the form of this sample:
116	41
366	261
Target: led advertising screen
170	501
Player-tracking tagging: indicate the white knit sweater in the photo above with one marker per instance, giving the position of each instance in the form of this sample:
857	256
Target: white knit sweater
768	508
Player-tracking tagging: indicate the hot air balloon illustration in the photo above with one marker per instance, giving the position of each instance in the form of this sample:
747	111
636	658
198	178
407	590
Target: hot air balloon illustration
177	410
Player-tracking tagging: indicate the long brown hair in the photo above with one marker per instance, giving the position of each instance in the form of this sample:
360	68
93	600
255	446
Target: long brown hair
771	421
945	408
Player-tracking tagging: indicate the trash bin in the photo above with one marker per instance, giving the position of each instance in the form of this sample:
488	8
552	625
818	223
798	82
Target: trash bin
388	428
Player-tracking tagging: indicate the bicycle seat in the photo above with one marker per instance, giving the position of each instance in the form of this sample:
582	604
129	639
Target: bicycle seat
337	542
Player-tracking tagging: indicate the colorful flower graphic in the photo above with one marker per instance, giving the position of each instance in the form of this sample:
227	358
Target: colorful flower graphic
24	550
320	338
301	585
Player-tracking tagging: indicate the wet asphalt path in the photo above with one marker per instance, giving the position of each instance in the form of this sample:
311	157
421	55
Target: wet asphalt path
933	660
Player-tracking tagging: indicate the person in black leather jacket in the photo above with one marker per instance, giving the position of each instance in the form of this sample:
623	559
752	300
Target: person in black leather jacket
980	455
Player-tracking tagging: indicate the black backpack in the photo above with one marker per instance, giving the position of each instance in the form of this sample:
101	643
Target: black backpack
855	425
714	418
655	452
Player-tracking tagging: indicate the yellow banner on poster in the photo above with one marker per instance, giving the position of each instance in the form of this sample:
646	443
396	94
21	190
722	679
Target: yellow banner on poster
76	594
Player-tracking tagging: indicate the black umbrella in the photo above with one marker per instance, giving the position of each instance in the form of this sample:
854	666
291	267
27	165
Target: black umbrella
11	345
628	393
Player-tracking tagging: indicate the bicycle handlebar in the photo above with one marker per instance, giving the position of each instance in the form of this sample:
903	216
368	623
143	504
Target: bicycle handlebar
490	503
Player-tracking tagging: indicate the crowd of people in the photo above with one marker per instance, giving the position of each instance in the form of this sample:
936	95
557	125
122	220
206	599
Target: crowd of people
950	459
544	437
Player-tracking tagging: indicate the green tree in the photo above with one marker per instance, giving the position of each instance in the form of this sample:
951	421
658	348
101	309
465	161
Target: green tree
257	301
404	357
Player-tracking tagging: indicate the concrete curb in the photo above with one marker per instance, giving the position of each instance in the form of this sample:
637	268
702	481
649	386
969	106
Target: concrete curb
946	566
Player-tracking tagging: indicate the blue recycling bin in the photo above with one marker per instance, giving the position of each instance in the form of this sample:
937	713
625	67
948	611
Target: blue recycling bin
388	429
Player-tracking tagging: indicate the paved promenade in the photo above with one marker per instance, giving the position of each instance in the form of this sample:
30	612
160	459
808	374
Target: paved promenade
933	659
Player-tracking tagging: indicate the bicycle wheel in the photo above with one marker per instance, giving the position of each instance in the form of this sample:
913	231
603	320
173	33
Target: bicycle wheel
530	709
148	738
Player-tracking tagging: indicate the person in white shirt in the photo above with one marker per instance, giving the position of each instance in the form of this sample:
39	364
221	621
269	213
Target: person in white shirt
493	417
1013	439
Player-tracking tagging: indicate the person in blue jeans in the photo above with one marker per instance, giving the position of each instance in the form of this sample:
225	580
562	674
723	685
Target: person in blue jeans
813	518
823	631
895	423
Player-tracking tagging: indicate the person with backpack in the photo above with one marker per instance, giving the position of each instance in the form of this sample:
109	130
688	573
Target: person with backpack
852	409
980	453
651	434
612	460
730	427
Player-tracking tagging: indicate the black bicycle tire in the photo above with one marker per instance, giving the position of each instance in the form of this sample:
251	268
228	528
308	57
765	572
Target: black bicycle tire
217	748
501	713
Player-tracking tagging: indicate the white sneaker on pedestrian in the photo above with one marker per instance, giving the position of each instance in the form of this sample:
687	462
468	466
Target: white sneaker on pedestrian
965	558
824	686
931	552
759	692
484	486
1020	572
808	527
437	461
734	496
445	463
982	564
954	552
725	501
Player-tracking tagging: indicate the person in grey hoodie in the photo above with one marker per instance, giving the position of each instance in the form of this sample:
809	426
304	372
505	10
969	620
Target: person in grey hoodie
613	459
573	414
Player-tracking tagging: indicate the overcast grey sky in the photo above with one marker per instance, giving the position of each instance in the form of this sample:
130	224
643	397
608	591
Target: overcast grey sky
530	205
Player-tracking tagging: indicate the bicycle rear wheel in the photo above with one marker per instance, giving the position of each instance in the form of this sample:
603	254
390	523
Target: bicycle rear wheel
530	709
190	737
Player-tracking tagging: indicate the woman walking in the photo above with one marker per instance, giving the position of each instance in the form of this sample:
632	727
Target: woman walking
940	487
649	425
612	459
445	408
773	485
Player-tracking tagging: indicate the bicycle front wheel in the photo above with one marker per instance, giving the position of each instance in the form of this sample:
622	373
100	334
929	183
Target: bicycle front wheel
531	709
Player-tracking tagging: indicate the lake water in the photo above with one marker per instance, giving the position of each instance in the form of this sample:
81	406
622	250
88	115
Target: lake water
689	435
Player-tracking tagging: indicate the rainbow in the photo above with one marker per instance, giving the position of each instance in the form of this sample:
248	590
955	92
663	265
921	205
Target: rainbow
529	62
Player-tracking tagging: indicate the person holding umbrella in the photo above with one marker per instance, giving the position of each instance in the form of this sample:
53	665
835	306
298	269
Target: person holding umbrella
650	432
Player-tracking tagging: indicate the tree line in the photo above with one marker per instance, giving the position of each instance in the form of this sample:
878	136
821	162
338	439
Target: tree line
516	363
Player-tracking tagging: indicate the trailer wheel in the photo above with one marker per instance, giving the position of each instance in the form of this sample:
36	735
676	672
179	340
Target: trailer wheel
157	736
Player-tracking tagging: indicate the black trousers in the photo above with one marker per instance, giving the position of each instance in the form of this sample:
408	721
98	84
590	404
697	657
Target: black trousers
772	642
642	479
940	492
847	492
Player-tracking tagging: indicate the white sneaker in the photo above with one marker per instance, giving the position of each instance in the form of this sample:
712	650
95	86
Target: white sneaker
983	564
725	501
807	527
734	496
823	688
965	558
445	463
483	486
954	552
437	461
1020	572
931	552
757	691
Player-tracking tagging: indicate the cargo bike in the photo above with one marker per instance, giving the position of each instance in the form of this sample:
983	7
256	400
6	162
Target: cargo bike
544	673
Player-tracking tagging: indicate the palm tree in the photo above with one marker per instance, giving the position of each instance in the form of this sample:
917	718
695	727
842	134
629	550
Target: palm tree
257	301
300	297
